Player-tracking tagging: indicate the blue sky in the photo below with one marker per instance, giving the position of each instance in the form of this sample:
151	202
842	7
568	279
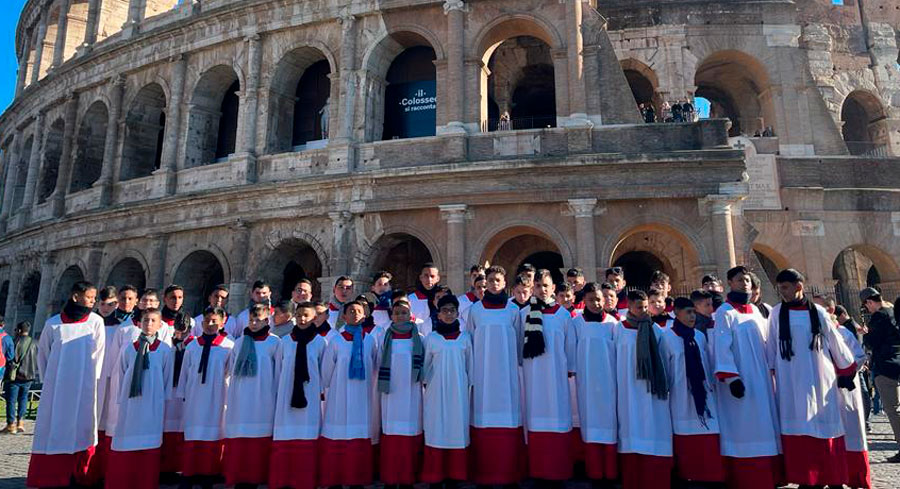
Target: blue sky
8	63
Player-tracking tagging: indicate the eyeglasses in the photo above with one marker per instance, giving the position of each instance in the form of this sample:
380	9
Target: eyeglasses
344	287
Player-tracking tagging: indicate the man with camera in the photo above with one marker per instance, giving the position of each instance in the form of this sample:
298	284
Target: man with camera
883	340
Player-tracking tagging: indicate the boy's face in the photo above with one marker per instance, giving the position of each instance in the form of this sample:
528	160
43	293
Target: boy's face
86	298
610	299
447	313
617	281
306	316
496	282
593	302
174	299
754	295
258	322
354	314
400	314
439	295
790	291
212	323
479	289
108	306
704	307
713	286
662	285
576	282
638	308
281	317
544	288
128	300
429	277
321	315
302	292
261	294
381	286
150	324
522	293
218	298
741	283
686	316
148	301
656	304
343	290
566	298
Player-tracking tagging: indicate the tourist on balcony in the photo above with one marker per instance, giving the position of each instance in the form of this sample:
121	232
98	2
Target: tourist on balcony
677	115
687	110
504	124
883	340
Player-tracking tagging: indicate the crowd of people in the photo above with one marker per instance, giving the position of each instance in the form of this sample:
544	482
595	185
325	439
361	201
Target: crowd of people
519	377
678	111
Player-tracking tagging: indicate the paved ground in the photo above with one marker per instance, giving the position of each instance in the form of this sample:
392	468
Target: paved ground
14	451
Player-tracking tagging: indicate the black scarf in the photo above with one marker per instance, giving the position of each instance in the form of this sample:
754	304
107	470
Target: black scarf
257	335
121	315
429	295
739	297
763	309
324	329
445	329
661	319
593	317
301	369
693	367
204	356
496	299
178	344
535	345
75	312
703	324
784	327
169	314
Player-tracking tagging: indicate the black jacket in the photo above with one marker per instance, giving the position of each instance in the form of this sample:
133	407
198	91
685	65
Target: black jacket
883	339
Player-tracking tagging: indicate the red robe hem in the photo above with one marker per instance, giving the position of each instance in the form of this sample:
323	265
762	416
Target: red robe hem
59	469
441	464
97	467
646	471
814	461
172	446
246	460
601	461
136	469
498	455
203	457
400	458
577	446
859	473
550	455
294	464
698	458
345	462
753	472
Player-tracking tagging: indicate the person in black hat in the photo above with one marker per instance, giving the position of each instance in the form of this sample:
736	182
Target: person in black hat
883	340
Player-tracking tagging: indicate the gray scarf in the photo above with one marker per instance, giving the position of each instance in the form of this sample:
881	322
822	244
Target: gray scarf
418	355
141	363
650	365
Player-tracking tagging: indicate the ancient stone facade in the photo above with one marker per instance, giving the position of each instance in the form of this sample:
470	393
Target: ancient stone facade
217	141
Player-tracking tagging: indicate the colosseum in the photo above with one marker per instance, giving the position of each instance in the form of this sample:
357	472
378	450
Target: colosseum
217	141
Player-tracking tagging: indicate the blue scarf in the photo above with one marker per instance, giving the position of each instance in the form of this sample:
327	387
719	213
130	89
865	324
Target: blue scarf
246	364
693	367
357	364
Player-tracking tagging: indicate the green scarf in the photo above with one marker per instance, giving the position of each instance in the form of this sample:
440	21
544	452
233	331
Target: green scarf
418	355
650	365
141	363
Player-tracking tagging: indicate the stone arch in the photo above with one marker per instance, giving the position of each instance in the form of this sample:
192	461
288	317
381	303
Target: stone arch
511	25
768	261
145	124
129	268
403	255
213	116
71	275
675	250
295	92
864	265
737	86
76	27
288	261
113	15
22	173
89	148
53	145
379	61
515	244
864	126
199	272
643	81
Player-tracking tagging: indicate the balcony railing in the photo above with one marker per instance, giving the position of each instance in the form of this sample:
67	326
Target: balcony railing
868	148
539	122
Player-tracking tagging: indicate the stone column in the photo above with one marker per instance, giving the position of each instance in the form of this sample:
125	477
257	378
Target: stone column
48	261
94	262
348	81
722	232
169	162
59	49
91	27
560	59
156	275
65	160
23	68
250	105
340	220
456	71
39	49
455	215
237	293
135	16
12	162
34	163
15	281
112	141
585	240
574	44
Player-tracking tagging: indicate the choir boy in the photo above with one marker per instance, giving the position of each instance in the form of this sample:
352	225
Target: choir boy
283	318
422	300
474	295
610	300
522	290
341	293
381	292
260	293
656	307
218	297
615	276
859	474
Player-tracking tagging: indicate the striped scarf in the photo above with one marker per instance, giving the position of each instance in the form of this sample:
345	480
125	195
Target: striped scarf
418	354
535	345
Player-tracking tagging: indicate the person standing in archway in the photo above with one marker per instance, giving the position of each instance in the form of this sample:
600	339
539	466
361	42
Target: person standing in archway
422	300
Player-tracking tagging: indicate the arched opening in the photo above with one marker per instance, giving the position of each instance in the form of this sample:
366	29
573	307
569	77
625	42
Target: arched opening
28	297
737	87
113	15
128	271
4	295
299	101
403	255
643	83
864	128
49	41
861	266
410	98
517	245
213	118
69	277
89	150
156	7
521	85
21	170
639	267
76	27
145	126
198	273
289	262
52	154
645	249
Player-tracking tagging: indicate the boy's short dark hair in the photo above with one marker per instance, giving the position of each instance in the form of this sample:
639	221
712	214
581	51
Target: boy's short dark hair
789	275
382	274
107	293
354	302
127	288
151	293
399	295
542	274
400	303
522	280
525	267
257	309
710	277
564	287
151	310
682	303
427	265
607	286
636	295
734	271
495	270
218	288
700	295
478	278
260	284
659	276
23	327
574	272
476	268
755	283
591	287
82	286
304	281
655	292
616	271
216	311
305	305
286	306
342	278
448	299
172	288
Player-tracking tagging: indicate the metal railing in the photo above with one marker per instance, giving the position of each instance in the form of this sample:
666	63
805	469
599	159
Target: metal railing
539	122
868	148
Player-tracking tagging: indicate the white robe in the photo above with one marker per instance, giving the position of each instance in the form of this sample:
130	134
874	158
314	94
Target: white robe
749	426
808	403
546	382
70	359
139	425
107	395
685	420
645	425
851	403
418	305
239	322
595	378
292	423
448	380
204	403
174	418
401	409
124	338
349	403
497	339
251	400
197	327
